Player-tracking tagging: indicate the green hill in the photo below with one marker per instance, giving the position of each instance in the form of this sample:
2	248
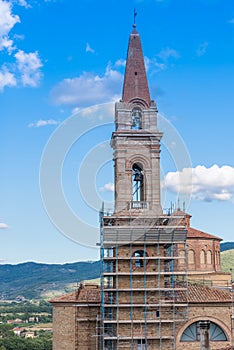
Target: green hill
35	281
227	261
32	280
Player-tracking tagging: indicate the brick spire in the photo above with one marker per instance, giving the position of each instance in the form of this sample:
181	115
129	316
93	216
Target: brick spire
135	82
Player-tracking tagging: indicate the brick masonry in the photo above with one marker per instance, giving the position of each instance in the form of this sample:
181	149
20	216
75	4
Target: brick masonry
76	316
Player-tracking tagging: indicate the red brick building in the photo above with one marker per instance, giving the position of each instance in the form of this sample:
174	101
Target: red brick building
161	279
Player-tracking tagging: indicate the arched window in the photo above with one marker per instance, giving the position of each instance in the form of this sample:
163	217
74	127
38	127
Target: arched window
181	257
139	255
136	119
202	257
191	257
137	183
209	257
192	333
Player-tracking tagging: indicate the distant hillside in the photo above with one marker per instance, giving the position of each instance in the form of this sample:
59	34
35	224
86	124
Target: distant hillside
227	261
32	280
226	246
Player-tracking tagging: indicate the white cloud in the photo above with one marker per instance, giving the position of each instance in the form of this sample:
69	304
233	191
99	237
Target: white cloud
75	110
161	61
3	225
7	22
167	53
120	63
88	89
43	122
202	49
89	48
109	187
152	64
147	63
6	79
18	36
24	3
26	68
214	183
29	65
98	112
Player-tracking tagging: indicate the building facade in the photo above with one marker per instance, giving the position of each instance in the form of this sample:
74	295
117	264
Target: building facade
161	280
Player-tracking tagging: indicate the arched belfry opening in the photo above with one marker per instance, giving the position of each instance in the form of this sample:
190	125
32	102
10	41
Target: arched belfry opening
136	119
137	183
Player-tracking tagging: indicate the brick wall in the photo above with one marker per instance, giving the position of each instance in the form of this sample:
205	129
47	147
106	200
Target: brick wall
63	327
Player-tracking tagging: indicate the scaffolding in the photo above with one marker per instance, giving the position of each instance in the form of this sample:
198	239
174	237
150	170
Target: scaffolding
143	282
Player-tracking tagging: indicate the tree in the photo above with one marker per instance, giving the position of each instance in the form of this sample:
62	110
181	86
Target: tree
6	330
13	343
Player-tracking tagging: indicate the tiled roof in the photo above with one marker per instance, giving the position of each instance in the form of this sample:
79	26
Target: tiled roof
135	81
84	294
200	294
196	294
193	233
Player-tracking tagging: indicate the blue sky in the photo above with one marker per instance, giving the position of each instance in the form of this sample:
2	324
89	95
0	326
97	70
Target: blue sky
59	57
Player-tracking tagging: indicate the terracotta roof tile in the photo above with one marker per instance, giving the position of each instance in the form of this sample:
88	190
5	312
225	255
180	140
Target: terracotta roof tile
193	233
71	297
196	294
135	81
85	294
200	294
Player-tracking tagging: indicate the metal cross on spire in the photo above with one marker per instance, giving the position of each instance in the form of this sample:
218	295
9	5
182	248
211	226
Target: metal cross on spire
134	18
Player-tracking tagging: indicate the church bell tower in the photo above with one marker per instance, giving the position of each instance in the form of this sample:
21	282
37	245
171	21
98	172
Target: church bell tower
136	141
142	272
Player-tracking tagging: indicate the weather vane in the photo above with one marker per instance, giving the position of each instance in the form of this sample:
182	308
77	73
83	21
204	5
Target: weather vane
134	16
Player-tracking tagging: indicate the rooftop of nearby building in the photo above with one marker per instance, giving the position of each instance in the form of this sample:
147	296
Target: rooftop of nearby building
196	294
201	294
192	232
85	293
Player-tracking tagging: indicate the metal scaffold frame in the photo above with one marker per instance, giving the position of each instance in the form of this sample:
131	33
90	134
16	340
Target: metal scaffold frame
143	297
